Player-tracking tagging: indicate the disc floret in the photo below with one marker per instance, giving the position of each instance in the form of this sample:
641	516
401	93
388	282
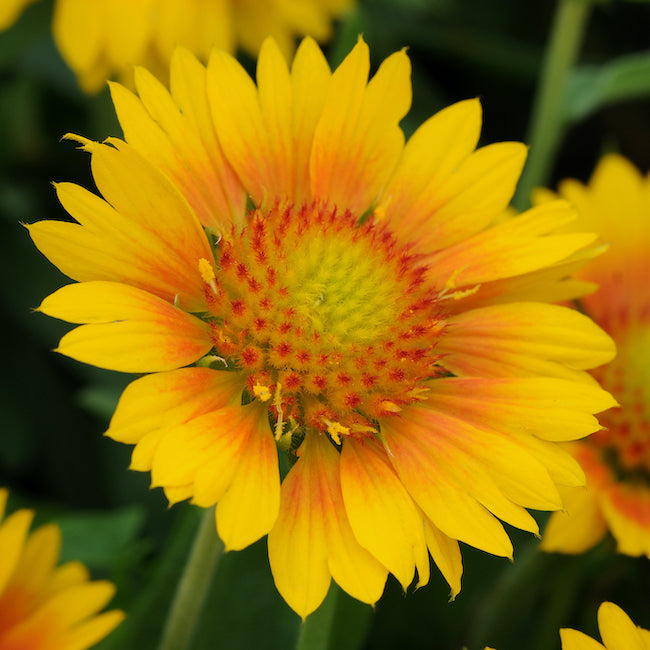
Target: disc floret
330	318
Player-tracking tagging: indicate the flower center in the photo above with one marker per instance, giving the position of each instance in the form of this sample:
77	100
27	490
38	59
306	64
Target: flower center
625	439
331	319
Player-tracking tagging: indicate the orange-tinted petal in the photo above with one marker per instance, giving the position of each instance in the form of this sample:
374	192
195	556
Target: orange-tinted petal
250	506
129	329
170	398
312	539
357	142
381	512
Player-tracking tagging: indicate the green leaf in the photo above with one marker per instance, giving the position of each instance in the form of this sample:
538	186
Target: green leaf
98	539
592	87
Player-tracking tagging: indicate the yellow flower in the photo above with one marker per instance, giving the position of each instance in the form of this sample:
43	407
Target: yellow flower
616	460
616	629
100	39
10	10
345	298
42	606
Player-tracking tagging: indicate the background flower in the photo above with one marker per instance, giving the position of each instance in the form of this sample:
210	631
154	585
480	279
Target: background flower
100	40
616	629
616	204
42	606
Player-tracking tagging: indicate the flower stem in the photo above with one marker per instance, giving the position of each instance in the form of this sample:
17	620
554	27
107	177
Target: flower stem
340	622
193	586
316	631
548	123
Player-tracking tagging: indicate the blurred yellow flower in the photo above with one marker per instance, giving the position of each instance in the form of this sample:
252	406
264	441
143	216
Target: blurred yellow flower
42	606
617	631
100	39
616	460
346	298
10	10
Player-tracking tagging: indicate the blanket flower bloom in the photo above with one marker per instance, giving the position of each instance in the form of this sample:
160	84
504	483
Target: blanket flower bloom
616	630
616	460
42	606
345	298
100	39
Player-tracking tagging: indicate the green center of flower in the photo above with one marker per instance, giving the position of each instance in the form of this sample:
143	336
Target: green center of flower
625	438
341	289
331	319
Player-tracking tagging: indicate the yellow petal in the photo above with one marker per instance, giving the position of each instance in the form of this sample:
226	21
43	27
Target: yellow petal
39	557
66	575
446	554
297	544
523	339
449	507
275	101
552	409
617	629
189	89
512	248
77	602
250	506
312	538
4	495
310	76
381	512
216	437
13	532
580	527
239	124
626	508
358	142
77	33
167	399
142	195
130	330
90	632
430	157
574	640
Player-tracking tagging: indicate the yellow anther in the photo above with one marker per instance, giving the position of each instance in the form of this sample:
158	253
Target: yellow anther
362	428
450	285
418	393
379	213
336	429
207	273
262	392
277	402
457	295
390	406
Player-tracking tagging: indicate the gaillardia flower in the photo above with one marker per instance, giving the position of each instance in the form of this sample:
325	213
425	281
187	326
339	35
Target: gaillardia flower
616	630
42	606
343	297
100	39
616	460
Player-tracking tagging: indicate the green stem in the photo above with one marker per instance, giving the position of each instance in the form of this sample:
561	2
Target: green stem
340	623
193	586
547	122
316	630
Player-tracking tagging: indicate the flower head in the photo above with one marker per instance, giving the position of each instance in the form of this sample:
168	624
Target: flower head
348	299
616	204
616	629
100	39
42	606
